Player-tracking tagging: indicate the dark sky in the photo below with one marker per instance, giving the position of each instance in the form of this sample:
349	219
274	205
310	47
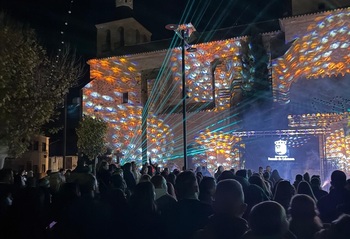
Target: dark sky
49	16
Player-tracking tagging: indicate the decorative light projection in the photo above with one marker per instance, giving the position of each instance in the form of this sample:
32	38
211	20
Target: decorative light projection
117	73
225	74
319	120
338	149
221	149
323	51
199	72
105	97
338	144
296	141
337	141
116	76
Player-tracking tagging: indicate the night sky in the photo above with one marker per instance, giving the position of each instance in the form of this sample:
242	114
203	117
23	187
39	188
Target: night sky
48	18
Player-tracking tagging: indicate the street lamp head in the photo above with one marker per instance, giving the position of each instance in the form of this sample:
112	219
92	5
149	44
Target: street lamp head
172	27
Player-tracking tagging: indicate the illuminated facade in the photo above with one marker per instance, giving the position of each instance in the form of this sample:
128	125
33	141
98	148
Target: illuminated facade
115	95
123	84
322	49
336	140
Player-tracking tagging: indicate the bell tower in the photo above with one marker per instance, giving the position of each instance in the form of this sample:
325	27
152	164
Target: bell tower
123	30
125	3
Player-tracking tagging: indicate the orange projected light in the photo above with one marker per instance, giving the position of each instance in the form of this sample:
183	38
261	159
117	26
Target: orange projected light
199	70
220	149
115	77
103	97
323	51
336	141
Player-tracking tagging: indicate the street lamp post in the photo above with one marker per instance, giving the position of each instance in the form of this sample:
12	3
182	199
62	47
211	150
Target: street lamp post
184	44
65	132
184	96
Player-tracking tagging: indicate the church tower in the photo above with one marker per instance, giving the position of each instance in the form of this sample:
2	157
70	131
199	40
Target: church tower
123	30
126	3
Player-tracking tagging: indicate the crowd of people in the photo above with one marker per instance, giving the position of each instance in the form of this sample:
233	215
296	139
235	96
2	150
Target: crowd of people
128	202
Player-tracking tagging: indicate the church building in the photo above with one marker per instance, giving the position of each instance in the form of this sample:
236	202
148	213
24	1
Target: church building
249	91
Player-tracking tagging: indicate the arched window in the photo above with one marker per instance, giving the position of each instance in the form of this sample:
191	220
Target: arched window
121	35
145	38
107	43
138	37
108	39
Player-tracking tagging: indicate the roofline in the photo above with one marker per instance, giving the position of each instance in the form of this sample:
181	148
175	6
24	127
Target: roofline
131	18
213	31
165	49
315	13
169	40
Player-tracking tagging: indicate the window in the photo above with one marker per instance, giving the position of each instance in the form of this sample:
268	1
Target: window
69	161
125	98
35	169
43	168
138	36
145	38
43	147
108	39
36	145
121	36
107	44
29	166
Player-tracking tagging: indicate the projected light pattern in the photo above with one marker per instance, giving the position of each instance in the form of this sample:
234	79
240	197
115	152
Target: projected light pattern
296	141
116	76
320	120
338	148
323	51
198	155
337	143
199	72
220	149
103	97
125	133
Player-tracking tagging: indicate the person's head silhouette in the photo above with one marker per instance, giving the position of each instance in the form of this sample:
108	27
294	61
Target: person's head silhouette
229	198
268	219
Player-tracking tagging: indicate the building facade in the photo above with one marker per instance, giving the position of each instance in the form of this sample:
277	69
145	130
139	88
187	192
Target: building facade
142	83
36	159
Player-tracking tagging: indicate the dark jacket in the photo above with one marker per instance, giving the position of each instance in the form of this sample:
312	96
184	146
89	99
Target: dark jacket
187	217
130	180
330	206
223	227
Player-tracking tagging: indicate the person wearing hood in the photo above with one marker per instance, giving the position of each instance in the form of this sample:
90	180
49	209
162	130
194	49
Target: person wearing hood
163	199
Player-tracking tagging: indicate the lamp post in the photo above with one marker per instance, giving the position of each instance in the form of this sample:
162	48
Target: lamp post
184	126
65	132
183	34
